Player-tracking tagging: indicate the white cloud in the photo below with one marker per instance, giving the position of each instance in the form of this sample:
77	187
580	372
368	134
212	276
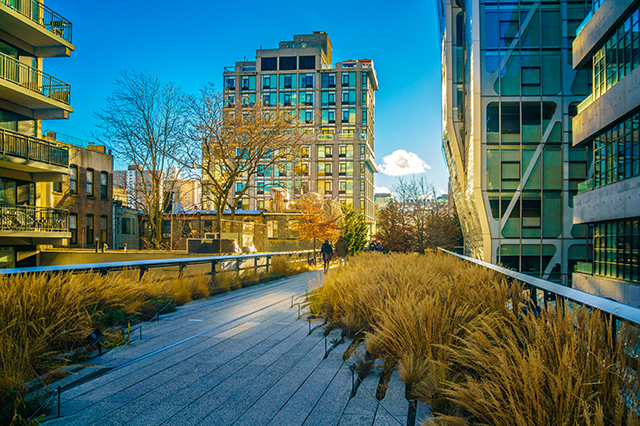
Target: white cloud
381	190
401	162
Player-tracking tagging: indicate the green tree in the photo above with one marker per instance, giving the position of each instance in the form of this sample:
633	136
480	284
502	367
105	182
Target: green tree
354	230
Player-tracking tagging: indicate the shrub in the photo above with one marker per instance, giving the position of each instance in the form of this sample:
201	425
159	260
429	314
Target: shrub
466	345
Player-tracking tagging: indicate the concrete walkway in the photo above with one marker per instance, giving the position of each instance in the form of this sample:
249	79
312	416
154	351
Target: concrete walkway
241	358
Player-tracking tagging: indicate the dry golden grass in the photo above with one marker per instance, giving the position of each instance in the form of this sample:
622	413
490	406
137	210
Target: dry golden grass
464	345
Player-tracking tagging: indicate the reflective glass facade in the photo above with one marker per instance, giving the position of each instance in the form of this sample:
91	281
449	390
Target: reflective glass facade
508	143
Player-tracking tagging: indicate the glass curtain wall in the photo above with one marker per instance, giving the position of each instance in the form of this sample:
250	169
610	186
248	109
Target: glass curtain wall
529	91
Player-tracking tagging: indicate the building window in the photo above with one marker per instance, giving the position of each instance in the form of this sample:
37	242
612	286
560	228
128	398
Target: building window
287	81
307	81
73	179
324	169
269	64
57	186
104	223
89	182
328	81
349	97
616	246
348	79
365	81
126	227
617	152
73	228
229	83
272	229
307	62
325	151
288	63
89	240
306	98
104	185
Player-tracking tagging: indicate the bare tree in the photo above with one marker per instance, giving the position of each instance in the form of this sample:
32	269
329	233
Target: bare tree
144	123
416	221
231	143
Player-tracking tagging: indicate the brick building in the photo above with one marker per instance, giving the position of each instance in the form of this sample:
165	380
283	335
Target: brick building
87	194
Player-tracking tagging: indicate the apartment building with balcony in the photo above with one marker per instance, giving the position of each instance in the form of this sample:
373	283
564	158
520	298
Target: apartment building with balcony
607	125
509	93
336	101
29	164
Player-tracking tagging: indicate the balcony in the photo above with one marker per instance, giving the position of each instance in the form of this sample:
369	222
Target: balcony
33	222
31	88
344	135
584	268
33	155
325	137
46	33
585	186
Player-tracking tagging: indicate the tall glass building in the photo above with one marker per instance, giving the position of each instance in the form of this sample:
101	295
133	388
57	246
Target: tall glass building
509	94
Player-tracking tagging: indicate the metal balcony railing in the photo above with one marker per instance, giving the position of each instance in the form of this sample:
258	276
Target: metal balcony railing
30	218
41	15
18	145
34	79
585	186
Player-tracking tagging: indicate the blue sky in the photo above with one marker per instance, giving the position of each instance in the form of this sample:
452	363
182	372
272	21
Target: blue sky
189	42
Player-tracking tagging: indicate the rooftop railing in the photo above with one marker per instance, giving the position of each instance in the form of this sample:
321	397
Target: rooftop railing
23	146
42	15
33	79
31	218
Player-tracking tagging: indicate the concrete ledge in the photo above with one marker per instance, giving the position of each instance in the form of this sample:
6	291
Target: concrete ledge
618	200
616	103
584	46
623	292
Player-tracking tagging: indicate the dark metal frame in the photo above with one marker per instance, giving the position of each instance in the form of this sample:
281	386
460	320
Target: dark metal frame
23	146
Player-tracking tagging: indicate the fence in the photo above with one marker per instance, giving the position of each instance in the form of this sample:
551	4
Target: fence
218	264
42	15
545	292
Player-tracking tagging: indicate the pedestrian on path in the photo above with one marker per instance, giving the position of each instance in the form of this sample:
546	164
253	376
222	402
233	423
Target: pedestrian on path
342	250
327	253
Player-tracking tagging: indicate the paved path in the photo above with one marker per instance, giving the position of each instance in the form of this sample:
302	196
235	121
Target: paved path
241	358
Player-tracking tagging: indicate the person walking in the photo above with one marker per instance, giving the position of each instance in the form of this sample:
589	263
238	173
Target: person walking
342	250
327	254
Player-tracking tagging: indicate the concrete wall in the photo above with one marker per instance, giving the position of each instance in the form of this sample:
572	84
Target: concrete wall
615	103
618	200
585	44
622	292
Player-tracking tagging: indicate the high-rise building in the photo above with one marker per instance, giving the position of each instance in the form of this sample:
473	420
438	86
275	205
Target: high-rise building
607	125
29	164
509	93
335	100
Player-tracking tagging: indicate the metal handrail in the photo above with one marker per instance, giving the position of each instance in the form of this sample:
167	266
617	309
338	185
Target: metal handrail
42	15
33	79
143	265
23	146
31	218
618	310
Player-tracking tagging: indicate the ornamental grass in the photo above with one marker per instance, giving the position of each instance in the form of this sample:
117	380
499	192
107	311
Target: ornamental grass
468	342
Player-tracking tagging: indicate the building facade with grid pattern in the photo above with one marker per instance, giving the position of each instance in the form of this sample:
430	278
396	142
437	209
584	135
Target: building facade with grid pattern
608	126
336	102
509	95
